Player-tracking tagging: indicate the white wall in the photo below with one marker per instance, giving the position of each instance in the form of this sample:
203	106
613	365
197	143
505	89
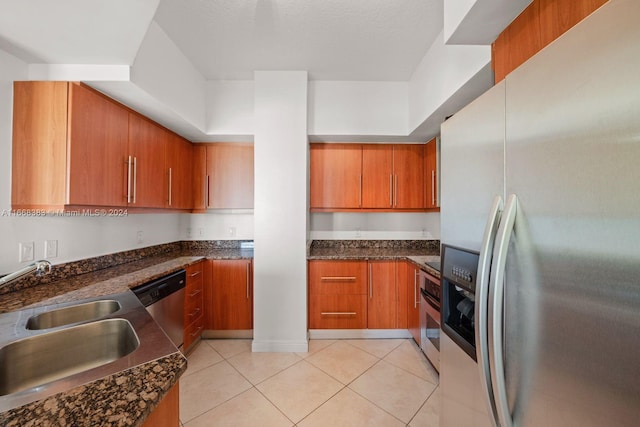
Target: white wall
358	108
441	73
217	226
78	237
280	211
375	226
229	107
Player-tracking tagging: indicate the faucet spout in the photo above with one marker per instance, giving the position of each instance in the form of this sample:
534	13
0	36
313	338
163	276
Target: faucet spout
39	268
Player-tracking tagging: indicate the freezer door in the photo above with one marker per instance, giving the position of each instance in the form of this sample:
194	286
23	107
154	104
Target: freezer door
572	287
472	173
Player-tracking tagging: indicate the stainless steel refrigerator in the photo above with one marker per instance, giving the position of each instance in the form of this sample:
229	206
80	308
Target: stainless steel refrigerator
541	175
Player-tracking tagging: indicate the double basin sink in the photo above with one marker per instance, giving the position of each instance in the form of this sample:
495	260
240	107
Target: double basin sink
51	349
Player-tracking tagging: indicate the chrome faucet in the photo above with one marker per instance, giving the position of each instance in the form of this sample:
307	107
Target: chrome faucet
39	267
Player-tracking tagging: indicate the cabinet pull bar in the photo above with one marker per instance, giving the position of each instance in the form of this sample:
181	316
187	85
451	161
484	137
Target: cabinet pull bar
415	289
360	191
195	312
433	187
391	190
129	179
338	278
395	192
370	285
338	313
206	194
247	280
135	179
194	294
195	273
196	332
169	186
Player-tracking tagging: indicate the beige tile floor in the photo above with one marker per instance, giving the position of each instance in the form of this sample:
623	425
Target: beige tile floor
385	382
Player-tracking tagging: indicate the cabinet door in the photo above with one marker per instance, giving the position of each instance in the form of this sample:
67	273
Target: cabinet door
97	141
382	302
199	177
230	176
335	176
231	307
148	179
377	176
431	175
179	169
413	301
408	176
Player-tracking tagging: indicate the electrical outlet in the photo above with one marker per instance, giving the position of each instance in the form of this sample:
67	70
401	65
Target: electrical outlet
358	232
140	237
200	232
50	248
189	232
232	231
26	251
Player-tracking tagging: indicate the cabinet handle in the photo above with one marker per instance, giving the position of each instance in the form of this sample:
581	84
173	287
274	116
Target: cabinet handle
415	289
206	194
338	313
194	294
169	186
195	312
196	332
391	190
433	187
395	192
370	284
128	161
195	273
248	280
360	188
135	179
338	278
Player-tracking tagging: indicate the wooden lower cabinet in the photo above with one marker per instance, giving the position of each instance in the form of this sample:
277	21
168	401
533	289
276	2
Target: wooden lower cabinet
355	295
413	300
193	305
229	295
167	413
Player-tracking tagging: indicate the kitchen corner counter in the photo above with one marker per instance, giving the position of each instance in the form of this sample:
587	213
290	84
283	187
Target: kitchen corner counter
417	251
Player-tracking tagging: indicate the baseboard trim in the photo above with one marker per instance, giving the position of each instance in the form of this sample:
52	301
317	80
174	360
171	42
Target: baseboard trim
280	346
236	333
338	334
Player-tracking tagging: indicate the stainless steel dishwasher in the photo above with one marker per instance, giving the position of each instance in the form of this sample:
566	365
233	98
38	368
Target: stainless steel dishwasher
164	300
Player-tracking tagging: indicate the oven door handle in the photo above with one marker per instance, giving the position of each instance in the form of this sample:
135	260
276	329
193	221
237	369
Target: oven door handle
431	300
482	306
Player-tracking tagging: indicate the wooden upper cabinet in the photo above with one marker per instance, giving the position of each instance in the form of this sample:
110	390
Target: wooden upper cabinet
228	180
431	175
377	176
335	176
393	176
68	145
179	166
74	147
408	174
146	152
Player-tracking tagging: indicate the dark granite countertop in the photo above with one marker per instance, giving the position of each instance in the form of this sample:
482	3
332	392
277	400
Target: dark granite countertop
127	397
417	251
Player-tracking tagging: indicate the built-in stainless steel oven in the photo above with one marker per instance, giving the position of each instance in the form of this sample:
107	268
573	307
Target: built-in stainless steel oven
459	268
430	318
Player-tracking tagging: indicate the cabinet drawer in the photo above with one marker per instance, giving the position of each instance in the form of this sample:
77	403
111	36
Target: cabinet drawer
192	332
337	277
195	273
193	291
337	311
193	309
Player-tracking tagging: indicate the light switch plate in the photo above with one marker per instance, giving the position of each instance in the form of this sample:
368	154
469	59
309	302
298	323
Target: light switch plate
50	248
26	251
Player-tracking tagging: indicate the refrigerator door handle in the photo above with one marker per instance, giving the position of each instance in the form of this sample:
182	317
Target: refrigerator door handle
482	303
496	321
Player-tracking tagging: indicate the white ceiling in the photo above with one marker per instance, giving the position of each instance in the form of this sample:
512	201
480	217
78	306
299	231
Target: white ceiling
331	39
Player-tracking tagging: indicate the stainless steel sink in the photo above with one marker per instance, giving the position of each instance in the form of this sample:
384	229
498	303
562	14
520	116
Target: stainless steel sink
73	314
40	359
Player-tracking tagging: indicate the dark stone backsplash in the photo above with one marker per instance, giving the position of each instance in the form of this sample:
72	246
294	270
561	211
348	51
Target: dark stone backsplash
430	246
